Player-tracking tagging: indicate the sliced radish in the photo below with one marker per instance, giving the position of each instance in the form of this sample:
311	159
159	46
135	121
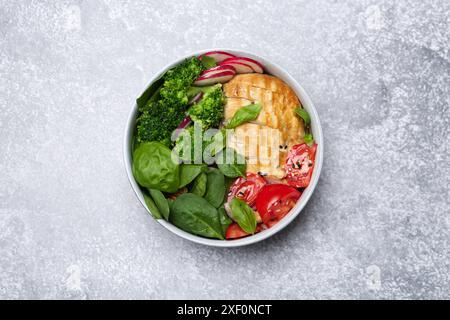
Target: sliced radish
219	56
239	66
186	121
217	69
208	80
256	66
196	98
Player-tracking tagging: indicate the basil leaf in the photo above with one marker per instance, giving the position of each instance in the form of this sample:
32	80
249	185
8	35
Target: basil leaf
195	215
188	172
199	185
161	202
151	207
244	114
225	220
308	138
302	113
208	62
231	164
215	188
150	93
243	215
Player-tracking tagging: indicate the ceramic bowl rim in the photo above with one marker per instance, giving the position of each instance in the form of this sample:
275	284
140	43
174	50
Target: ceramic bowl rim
278	71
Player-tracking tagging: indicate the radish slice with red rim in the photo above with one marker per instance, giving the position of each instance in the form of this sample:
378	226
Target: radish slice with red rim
217	69
196	98
186	122
239	66
219	56
208	80
256	66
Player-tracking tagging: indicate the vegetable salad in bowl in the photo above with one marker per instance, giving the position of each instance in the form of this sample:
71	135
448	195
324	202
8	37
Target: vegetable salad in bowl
221	147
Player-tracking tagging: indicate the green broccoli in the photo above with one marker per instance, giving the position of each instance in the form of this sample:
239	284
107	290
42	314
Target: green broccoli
158	123
178	80
209	111
162	115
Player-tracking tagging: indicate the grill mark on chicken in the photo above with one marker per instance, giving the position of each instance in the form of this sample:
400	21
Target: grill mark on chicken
278	101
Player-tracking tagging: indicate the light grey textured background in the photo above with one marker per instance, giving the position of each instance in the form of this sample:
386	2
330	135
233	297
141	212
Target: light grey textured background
378	225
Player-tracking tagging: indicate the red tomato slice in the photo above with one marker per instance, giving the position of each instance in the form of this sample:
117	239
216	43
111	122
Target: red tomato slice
300	164
274	201
247	188
235	232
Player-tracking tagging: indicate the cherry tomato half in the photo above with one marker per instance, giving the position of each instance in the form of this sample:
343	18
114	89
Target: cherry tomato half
300	164
247	188
274	201
235	232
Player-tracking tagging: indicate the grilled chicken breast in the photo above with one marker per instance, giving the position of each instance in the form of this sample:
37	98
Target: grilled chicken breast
265	141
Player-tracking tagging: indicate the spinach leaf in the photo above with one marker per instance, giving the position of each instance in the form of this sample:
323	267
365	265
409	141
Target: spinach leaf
208	62
153	167
215	188
244	114
231	164
225	220
216	143
188	172
170	203
199	185
152	92
243	215
212	144
161	202
302	113
195	215
151	206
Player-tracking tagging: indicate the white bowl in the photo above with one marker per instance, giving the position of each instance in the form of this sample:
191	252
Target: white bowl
270	68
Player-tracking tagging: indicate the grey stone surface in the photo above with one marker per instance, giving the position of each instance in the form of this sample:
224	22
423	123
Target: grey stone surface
377	226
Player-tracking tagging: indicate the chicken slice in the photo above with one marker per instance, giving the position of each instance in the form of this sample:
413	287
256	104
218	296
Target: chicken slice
268	138
260	146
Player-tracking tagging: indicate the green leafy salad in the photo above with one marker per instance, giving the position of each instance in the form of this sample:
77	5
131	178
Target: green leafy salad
187	173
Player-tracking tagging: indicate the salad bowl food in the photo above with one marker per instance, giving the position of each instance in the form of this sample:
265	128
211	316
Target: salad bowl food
223	148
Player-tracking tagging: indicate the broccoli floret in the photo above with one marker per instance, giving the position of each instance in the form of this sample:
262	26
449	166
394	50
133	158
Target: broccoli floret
209	111
178	80
158	123
160	117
